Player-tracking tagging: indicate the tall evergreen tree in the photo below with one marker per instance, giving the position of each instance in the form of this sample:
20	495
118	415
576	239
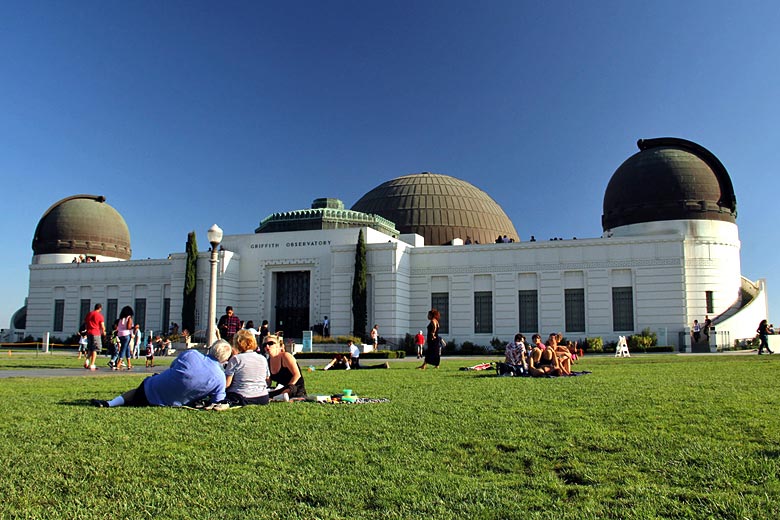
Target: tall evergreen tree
359	303
190	284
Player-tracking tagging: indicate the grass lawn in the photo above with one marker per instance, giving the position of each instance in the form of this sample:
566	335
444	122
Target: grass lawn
654	436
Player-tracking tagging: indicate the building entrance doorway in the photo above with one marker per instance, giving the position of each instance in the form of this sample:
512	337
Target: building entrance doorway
292	302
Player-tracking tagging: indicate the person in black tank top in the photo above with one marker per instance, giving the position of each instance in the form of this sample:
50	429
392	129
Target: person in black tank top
284	369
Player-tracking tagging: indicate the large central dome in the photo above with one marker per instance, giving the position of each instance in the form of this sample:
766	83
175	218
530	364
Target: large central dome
439	208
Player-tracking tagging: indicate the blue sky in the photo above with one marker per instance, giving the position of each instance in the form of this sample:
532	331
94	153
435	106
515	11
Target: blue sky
184	114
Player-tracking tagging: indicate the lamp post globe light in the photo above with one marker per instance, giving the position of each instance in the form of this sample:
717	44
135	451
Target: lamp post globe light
215	237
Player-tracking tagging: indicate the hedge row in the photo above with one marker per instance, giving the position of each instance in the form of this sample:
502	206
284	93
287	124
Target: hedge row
380	354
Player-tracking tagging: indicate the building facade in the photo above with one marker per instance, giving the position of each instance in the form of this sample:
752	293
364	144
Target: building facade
669	254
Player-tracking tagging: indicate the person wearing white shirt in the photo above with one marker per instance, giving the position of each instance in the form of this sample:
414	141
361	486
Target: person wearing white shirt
354	355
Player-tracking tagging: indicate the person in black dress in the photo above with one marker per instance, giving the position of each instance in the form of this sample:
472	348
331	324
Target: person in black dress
433	353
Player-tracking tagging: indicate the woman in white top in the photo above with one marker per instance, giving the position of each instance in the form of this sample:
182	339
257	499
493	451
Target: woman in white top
124	332
246	373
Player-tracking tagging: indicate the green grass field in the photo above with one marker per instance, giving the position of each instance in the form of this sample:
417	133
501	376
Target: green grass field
658	436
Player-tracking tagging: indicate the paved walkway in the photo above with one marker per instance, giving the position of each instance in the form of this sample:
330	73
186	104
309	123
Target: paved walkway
76	372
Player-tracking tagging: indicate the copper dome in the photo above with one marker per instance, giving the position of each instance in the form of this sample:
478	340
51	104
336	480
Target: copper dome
439	208
82	224
669	179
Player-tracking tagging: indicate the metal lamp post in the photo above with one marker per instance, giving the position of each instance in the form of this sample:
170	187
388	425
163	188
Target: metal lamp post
215	237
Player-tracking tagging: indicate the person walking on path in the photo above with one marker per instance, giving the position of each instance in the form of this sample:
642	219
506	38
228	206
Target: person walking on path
124	332
228	324
96	329
433	354
763	336
419	340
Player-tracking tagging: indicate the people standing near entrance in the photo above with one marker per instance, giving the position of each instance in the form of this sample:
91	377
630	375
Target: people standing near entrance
96	329
228	325
696	331
326	327
433	353
124	332
419	340
375	336
706	326
763	336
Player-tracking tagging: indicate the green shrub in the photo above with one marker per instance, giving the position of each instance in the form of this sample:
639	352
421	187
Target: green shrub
641	342
497	343
316	339
595	344
660	348
380	354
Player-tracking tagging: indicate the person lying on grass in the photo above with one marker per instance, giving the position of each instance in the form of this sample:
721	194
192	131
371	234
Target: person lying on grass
340	362
246	373
191	377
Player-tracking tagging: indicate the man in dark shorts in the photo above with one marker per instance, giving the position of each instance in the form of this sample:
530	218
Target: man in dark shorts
96	329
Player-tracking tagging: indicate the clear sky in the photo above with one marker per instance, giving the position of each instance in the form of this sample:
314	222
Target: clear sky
186	114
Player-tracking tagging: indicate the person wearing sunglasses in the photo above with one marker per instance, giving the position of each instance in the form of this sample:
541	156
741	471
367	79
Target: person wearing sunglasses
284	369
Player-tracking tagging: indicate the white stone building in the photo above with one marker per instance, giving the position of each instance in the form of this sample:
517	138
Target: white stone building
670	253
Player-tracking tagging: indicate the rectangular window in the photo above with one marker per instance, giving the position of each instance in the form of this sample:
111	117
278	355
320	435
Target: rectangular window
528	303
441	302
140	312
710	302
111	312
622	309
166	317
483	312
59	315
84	310
574	300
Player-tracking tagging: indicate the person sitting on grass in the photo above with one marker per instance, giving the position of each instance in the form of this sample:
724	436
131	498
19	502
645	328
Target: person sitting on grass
515	363
339	362
561	352
543	361
191	377
246	373
284	369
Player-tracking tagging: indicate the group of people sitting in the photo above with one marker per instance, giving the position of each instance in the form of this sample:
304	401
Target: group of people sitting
229	375
537	359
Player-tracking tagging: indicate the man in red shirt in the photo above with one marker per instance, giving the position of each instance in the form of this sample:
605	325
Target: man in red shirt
419	340
96	329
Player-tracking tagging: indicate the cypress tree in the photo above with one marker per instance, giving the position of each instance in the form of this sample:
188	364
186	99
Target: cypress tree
190	284
359	304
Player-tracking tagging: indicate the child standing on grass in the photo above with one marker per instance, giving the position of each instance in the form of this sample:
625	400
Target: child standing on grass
149	354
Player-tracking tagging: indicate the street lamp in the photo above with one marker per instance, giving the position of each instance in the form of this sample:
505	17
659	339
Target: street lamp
215	237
